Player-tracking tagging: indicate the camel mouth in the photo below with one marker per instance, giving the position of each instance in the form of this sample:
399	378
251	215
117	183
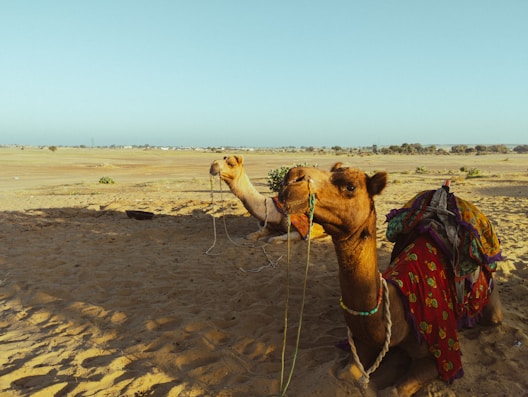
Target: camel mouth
296	207
291	204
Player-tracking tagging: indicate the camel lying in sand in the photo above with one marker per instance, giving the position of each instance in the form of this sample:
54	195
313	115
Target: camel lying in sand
265	209
344	206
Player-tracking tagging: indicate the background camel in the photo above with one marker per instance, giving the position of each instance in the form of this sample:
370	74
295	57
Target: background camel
344	206
272	220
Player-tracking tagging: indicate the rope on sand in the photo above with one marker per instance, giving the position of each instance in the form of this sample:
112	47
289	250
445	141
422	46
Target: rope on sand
271	263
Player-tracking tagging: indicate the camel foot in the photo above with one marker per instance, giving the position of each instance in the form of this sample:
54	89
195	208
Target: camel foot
257	235
492	313
422	372
293	236
435	389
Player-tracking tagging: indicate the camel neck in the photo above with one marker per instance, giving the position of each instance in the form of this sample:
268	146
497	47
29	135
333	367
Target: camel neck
242	187
358	267
244	190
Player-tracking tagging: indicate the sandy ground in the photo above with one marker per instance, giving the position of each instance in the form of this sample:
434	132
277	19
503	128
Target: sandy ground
97	304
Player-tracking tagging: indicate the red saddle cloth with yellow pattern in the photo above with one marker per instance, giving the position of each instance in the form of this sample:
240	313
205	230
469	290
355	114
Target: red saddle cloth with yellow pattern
441	294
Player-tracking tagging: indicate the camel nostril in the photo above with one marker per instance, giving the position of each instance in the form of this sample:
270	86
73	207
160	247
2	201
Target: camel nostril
300	178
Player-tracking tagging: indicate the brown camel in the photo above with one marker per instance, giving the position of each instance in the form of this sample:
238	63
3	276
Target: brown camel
273	221
344	206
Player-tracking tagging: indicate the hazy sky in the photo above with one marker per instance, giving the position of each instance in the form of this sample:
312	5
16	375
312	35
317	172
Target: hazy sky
263	73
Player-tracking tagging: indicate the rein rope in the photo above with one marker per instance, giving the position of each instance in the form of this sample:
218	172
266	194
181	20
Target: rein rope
284	386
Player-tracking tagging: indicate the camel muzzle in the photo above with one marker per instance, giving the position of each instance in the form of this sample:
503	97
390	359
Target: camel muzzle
215	169
294	202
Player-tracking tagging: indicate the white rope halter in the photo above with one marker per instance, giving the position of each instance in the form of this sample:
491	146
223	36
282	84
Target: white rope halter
365	374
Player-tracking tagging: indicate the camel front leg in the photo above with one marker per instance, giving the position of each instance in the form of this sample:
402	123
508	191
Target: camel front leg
261	233
421	372
292	236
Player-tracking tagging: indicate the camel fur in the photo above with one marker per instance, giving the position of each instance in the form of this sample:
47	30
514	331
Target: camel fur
344	206
231	170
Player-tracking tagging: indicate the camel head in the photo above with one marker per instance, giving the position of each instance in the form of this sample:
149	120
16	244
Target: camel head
343	202
229	168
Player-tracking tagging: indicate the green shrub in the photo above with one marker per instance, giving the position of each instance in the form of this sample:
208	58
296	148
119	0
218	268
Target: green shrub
106	180
473	173
276	176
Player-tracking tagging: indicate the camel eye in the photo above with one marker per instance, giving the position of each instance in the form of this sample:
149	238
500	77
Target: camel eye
350	187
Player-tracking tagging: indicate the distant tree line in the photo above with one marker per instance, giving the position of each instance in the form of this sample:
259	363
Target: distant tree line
521	149
483	149
416	148
405	148
411	148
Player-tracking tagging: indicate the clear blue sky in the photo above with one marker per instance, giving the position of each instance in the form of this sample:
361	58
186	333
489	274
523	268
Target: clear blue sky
263	73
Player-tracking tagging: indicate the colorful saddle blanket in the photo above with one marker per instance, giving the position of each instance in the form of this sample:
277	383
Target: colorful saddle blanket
300	222
478	244
443	266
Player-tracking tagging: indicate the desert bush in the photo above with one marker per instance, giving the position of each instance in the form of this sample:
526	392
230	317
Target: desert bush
276	176
106	180
471	172
474	173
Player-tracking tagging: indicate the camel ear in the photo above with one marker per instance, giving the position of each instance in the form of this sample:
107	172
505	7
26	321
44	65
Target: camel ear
376	183
336	166
239	159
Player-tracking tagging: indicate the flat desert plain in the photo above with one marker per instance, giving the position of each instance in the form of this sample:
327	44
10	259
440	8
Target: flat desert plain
97	304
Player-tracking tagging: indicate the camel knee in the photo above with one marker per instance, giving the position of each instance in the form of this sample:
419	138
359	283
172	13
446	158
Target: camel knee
353	375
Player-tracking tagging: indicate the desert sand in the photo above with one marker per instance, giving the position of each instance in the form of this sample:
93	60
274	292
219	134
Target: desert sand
97	304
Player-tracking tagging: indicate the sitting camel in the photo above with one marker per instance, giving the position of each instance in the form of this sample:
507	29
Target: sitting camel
344	206
267	210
